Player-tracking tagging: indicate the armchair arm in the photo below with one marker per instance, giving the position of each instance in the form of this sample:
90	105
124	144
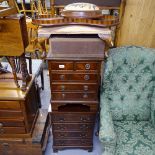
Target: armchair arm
106	132
153	107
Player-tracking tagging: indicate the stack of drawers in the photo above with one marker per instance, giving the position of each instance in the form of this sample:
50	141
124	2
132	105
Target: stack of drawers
24	128
74	91
18	113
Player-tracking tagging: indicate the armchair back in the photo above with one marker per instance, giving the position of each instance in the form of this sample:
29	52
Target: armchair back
129	82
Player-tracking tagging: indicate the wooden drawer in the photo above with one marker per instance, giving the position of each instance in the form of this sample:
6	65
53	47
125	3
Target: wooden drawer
12	130
78	96
72	126
9	105
74	87
12	123
10	114
74	77
72	142
72	135
73	117
87	66
60	65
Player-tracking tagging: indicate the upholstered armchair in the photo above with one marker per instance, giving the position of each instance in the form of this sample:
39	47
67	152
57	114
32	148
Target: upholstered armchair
127	116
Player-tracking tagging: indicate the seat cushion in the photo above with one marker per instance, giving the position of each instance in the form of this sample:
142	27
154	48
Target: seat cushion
135	138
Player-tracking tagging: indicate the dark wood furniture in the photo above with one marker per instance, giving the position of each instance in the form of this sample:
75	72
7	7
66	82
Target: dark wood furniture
75	82
18	110
34	145
15	39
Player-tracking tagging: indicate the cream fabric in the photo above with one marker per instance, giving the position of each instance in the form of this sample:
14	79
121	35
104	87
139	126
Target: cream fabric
81	7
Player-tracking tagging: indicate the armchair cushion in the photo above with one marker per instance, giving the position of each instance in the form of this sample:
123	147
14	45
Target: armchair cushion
135	138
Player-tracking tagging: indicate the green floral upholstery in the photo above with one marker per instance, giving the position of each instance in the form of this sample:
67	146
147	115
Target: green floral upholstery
135	138
128	101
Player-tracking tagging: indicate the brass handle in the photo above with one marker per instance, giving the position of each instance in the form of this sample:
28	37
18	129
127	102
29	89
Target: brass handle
86	77
85	119
62	77
62	87
87	66
6	145
84	126
62	135
83	135
61	119
63	95
85	87
62	143
85	96
1	125
83	142
61	127
2	131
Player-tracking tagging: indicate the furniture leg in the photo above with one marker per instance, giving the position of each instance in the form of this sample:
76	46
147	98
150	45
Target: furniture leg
11	61
25	75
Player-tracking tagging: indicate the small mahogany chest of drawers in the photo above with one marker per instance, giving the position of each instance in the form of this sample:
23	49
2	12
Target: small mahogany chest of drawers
18	110
75	83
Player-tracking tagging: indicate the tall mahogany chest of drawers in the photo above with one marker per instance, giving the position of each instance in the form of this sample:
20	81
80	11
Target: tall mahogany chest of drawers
74	67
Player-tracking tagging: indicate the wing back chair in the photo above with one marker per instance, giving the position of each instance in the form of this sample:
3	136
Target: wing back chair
127	116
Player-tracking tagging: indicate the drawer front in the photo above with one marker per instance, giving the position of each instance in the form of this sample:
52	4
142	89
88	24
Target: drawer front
10	114
72	142
9	105
12	130
11	123
72	135
72	126
74	96
61	65
74	87
75	77
72	117
87	66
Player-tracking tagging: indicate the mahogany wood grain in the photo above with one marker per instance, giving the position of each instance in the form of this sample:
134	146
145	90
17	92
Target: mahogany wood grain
14	33
36	144
76	87
72	126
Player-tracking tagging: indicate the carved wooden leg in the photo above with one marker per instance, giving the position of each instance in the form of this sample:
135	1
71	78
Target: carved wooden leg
25	75
11	61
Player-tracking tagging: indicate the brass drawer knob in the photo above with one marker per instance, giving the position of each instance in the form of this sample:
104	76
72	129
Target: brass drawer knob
86	77
61	119
62	77
2	131
62	87
85	87
87	66
63	95
1	125
85	96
